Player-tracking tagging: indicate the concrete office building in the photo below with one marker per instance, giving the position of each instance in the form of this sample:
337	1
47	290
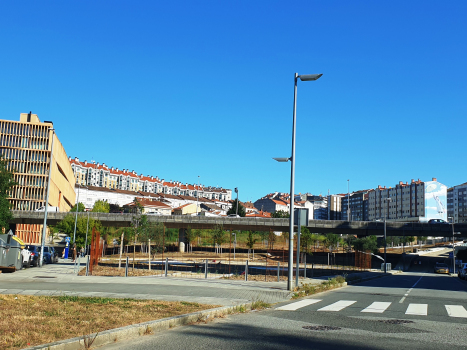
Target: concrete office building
457	202
417	201
26	145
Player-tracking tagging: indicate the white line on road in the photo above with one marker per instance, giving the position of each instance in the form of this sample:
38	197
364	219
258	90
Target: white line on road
406	294
456	311
377	307
417	309
298	304
338	306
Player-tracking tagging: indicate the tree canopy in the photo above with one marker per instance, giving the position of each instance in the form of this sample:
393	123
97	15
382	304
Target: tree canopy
6	183
233	209
67	226
101	206
280	214
81	208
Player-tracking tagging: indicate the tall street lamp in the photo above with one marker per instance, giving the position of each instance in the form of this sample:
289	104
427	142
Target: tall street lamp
76	214
348	201
388	200
44	226
453	250
197	198
236	209
306	77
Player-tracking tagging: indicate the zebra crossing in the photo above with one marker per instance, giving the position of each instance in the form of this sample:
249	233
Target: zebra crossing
376	307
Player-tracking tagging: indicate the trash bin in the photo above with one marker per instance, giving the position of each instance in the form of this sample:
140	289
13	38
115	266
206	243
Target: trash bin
13	255
2	252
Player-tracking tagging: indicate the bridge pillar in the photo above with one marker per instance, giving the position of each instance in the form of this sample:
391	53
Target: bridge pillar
181	240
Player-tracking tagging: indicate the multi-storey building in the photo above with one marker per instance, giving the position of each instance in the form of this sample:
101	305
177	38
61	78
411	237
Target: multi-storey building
334	206
100	175
457	202
415	201
27	145
357	205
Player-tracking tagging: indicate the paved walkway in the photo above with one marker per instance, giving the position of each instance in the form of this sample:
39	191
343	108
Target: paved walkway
61	278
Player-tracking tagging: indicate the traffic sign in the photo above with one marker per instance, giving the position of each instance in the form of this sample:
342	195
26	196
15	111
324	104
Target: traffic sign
67	239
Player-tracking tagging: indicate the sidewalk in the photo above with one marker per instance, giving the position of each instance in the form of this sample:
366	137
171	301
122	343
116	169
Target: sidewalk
59	279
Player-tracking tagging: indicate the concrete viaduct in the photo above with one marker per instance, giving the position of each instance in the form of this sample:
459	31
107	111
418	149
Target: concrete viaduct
359	228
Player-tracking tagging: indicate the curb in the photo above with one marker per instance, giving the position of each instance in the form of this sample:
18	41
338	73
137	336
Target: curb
140	329
370	278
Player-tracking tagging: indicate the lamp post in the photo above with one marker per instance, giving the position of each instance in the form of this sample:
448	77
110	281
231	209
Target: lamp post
44	226
307	77
76	215
348	201
197	198
453	250
388	200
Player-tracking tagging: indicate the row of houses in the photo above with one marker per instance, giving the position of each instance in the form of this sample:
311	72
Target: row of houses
100	175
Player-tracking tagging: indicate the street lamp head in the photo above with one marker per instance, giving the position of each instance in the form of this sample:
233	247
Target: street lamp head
282	160
309	77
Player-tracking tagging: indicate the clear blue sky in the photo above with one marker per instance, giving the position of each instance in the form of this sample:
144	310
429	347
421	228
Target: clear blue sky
179	89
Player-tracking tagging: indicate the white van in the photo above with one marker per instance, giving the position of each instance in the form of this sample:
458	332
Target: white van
49	209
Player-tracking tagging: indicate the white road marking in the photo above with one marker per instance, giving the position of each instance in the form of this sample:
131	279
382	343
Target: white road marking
456	311
417	309
298	304
377	307
338	306
406	294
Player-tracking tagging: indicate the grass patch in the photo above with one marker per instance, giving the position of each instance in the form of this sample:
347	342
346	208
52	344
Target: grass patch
33	320
259	305
310	289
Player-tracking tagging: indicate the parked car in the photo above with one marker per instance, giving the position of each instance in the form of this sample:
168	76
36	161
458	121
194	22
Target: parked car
35	253
50	255
442	268
462	271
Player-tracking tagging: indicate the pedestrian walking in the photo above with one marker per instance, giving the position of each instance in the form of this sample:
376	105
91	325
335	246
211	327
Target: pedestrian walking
74	252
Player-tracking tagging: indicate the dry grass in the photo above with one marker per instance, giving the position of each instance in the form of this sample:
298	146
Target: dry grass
29	320
102	270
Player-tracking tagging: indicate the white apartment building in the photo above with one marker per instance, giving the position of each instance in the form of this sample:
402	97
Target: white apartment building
100	175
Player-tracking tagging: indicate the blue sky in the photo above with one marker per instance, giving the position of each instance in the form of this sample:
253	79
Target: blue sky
178	89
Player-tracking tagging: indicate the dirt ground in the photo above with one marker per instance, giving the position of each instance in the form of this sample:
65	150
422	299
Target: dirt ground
34	320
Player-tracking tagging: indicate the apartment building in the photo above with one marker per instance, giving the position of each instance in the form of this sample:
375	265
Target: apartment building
27	145
100	175
457	203
334	205
357	206
418	200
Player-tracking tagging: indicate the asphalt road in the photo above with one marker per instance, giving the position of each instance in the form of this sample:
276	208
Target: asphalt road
415	310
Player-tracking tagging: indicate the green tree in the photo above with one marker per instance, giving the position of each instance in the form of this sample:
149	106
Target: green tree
280	214
191	235
101	206
67	226
306	238
81	208
233	209
366	244
6	184
218	235
251	239
331	241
